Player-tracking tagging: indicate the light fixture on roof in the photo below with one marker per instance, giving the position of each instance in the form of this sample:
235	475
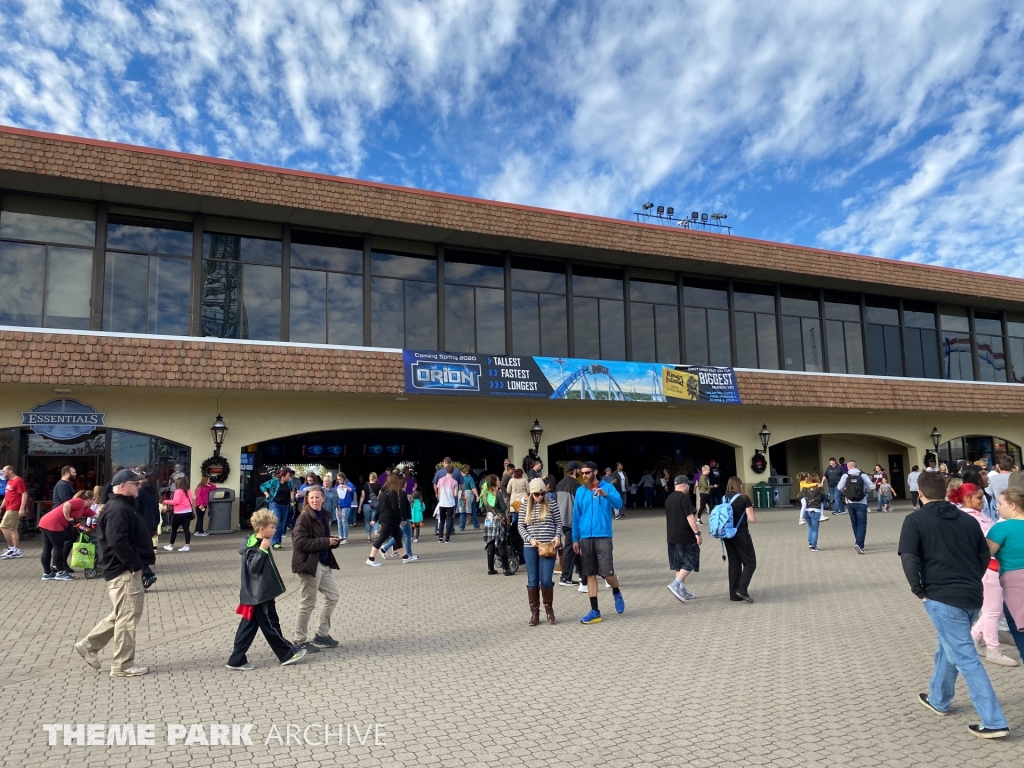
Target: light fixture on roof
661	209
670	212
694	216
719	216
703	217
648	206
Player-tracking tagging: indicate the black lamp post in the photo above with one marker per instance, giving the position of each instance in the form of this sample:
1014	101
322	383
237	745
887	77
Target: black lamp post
765	435
936	437
536	432
218	430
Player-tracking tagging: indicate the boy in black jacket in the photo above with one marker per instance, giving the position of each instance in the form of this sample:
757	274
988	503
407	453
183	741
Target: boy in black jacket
261	585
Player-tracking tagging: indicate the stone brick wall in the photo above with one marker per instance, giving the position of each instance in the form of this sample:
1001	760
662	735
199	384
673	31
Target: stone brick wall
67	359
135	167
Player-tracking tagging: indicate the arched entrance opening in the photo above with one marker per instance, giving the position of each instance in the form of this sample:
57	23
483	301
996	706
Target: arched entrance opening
640	452
358	452
971	448
811	453
39	458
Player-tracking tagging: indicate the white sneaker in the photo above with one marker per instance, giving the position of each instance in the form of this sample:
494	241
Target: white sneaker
411	559
186	548
374	563
583	588
168	547
130	672
802	521
15	554
607	585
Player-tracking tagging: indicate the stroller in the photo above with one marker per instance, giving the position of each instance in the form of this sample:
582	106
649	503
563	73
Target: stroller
505	552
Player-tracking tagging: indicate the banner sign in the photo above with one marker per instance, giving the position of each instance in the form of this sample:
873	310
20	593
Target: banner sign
62	419
557	378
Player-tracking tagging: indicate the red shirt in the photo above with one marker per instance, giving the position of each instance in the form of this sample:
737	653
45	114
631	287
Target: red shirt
15	490
54	520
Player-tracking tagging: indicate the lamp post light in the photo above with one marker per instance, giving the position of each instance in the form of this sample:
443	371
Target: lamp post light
936	437
765	435
536	432
218	431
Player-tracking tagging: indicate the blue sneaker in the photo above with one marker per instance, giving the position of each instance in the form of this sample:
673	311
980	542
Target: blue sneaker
677	589
620	604
593	617
49	576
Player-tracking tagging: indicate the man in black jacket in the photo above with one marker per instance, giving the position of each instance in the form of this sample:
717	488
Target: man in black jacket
125	548
944	556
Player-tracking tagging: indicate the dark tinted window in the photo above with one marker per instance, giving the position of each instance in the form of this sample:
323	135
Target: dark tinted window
705	293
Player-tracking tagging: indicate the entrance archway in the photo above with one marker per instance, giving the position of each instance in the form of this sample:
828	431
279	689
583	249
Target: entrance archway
971	448
358	452
639	452
811	453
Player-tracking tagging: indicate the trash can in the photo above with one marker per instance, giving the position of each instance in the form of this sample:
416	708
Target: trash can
782	485
763	494
221	502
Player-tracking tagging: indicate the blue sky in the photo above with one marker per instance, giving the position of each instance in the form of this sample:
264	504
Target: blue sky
891	129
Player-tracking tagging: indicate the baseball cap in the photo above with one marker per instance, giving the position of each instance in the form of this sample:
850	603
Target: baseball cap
125	476
591	465
572	466
681	480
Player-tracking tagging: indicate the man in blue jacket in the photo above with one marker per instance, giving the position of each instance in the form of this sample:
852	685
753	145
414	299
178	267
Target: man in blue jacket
592	536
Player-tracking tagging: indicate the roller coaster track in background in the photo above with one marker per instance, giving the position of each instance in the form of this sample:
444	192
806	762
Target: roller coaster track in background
588	390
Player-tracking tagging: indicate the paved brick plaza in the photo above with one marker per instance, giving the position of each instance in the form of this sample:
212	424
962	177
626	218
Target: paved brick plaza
823	670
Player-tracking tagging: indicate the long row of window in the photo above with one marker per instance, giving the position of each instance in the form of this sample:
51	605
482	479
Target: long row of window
166	274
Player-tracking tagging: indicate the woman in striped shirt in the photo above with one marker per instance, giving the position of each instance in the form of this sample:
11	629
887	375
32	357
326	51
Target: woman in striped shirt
540	522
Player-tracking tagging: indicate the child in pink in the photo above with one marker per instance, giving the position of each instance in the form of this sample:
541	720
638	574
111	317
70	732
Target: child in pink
971	499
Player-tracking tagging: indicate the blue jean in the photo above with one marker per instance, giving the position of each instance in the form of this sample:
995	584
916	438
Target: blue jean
837	499
858	520
956	653
342	515
367	518
463	514
813	521
1015	632
881	503
352	516
281	513
538	569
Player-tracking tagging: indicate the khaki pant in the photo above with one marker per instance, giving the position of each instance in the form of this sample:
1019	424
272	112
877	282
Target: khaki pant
128	598
308	587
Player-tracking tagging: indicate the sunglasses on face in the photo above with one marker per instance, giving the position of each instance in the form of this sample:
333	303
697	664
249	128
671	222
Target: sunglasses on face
587	472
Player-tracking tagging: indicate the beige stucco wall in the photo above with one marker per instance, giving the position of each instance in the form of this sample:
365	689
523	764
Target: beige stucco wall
185	417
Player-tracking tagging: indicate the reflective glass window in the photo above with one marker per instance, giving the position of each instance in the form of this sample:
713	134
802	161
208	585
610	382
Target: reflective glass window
326	291
125	235
917	314
845	347
474	303
404	266
801	330
842	306
307	306
707	337
654	315
326	251
754	297
799	302
1015	330
48	220
68	288
253	250
404	315
712	294
538	275
539	316
956	344
757	344
599	313
23	266
988	329
922	352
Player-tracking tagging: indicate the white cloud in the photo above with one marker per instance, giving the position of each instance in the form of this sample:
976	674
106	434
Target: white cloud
904	120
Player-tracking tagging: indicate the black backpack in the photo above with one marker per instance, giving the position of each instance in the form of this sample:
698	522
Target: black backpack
815	497
854	488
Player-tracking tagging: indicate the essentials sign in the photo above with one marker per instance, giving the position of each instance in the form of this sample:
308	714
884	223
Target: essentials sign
63	419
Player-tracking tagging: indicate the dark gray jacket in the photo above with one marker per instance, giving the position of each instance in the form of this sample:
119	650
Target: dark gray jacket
261	581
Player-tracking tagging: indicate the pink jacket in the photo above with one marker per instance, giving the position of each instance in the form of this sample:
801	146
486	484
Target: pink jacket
182	502
203	494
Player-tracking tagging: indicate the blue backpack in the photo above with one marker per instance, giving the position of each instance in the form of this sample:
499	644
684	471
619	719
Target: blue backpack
721	522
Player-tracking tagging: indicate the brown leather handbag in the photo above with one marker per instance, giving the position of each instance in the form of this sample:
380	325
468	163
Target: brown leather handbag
547	548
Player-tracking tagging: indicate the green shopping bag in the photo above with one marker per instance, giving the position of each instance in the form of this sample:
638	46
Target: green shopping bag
83	554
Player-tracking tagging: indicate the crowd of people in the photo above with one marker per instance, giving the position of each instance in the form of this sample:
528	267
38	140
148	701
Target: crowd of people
962	547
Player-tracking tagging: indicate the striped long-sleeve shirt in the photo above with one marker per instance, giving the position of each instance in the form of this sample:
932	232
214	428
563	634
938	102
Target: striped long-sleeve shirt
542	530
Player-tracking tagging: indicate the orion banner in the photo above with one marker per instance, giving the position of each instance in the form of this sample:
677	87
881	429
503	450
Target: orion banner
564	378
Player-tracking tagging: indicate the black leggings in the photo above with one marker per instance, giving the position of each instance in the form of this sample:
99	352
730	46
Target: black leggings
200	517
742	561
389	527
183	522
53	551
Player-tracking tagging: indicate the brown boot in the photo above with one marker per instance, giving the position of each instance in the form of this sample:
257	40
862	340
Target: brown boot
533	592
546	594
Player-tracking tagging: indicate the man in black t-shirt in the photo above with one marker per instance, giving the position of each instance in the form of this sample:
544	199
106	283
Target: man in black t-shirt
64	490
683	537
